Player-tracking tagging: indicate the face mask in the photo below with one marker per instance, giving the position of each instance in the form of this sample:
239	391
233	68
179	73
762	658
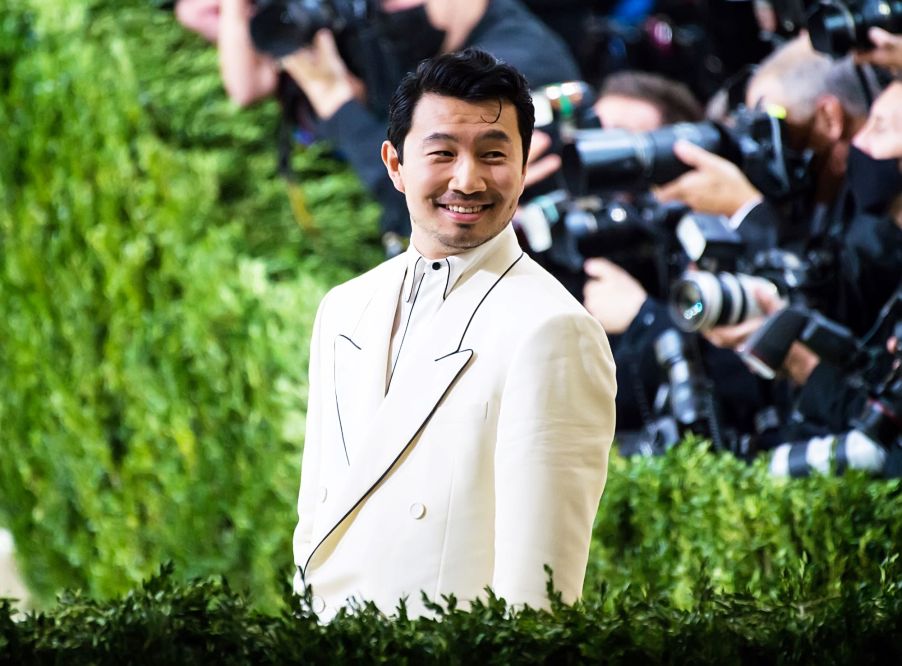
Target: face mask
874	183
410	36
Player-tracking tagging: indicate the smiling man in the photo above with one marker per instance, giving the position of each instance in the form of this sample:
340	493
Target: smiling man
461	403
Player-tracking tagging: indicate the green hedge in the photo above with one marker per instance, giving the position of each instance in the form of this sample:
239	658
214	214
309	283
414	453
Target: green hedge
157	297
205	622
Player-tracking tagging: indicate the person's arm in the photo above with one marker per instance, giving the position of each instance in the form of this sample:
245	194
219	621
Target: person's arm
246	75
554	435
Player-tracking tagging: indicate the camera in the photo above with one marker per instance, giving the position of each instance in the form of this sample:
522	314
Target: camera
685	402
281	27
703	299
616	159
836	27
635	232
870	371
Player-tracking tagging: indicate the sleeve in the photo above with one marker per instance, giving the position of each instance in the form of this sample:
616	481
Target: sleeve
870	263
303	532
554	435
827	400
757	225
510	32
358	134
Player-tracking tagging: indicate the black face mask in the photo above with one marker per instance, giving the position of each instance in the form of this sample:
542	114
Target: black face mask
874	183
409	36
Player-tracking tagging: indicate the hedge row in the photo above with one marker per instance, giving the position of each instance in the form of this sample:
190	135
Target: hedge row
205	622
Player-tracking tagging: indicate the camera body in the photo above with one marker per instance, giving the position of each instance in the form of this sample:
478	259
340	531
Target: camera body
281	27
836	27
721	289
874	439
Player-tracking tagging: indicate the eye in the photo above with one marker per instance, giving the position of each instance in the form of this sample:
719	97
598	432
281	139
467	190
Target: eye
441	153
494	155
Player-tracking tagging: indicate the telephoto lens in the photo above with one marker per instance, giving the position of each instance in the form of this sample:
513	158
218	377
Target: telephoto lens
827	455
701	300
602	160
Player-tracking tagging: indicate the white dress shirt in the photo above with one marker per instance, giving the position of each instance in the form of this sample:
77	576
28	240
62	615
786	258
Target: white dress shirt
427	283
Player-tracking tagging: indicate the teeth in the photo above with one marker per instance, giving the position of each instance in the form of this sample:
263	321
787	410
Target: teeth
462	209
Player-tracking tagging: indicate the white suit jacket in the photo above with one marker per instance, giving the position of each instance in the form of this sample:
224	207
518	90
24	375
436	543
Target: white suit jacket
485	461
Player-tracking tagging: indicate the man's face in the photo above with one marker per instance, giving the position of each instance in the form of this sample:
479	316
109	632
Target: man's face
629	113
462	173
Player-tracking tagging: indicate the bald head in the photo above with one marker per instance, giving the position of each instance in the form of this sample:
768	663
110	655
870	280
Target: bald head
795	76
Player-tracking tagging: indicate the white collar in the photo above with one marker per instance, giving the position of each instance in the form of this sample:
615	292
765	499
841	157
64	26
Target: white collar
455	265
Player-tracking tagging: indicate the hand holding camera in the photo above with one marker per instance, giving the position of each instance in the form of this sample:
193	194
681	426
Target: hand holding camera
715	185
322	74
887	51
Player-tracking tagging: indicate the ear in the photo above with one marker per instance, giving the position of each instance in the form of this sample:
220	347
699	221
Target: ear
393	165
829	119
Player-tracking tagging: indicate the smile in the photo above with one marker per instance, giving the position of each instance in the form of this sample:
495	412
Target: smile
464	210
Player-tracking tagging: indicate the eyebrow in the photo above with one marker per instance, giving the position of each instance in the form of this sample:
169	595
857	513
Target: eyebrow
488	135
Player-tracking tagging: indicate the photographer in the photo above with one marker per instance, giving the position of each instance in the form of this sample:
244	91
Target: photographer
825	398
336	103
640	102
823	104
634	320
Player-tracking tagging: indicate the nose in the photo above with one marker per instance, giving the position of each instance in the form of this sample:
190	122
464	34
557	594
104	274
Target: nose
468	176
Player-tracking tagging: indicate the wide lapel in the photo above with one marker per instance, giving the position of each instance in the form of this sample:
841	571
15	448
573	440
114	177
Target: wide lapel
418	385
360	360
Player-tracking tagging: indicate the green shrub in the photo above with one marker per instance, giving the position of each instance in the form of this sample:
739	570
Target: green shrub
666	522
206	622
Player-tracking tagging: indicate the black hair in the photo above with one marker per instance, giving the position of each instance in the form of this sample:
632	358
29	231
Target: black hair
472	75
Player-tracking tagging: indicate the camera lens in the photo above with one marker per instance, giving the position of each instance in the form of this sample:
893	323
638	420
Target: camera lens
701	300
617	159
696	301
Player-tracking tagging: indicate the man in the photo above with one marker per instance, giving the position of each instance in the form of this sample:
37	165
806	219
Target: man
337	106
461	403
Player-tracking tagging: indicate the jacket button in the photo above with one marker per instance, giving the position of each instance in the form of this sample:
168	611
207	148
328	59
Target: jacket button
417	510
323	494
319	605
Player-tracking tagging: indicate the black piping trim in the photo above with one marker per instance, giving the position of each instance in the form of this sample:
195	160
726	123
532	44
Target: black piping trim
404	335
412	278
335	391
481	300
387	469
447	278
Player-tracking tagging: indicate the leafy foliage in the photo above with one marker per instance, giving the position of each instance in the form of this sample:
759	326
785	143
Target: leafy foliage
165	622
668	522
157	298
